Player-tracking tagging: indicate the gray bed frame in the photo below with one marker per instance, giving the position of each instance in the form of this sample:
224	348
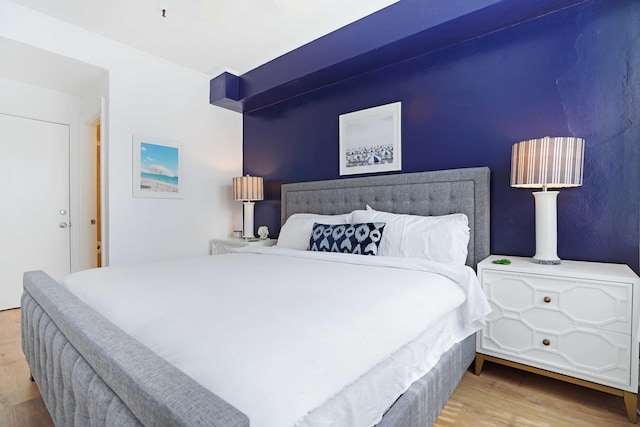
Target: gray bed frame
91	373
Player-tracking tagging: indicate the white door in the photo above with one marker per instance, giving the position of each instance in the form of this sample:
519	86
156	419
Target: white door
34	202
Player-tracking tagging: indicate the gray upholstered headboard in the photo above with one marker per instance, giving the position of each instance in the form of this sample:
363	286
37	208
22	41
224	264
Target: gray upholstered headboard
423	193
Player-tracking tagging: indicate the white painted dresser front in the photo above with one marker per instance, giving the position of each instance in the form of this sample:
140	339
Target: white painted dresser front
577	319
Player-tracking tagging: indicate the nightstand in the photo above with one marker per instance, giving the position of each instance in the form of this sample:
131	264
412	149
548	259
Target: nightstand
222	246
577	322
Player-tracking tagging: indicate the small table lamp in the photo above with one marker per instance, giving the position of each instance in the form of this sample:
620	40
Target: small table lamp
547	163
248	189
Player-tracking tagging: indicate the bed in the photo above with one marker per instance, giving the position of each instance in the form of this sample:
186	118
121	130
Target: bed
90	372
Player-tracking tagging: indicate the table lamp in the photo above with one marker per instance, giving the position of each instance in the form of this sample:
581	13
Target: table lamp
248	189
547	163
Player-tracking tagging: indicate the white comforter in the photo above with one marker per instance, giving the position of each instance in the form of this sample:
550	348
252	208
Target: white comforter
293	337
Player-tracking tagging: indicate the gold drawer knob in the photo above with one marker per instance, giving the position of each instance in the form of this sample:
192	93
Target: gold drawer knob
547	299
546	341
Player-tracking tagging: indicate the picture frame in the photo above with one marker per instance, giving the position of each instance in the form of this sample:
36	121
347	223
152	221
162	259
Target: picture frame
157	168
370	140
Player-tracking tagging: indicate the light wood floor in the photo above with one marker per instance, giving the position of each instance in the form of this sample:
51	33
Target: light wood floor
501	396
20	401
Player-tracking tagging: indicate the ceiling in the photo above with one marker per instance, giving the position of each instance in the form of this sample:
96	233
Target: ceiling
210	36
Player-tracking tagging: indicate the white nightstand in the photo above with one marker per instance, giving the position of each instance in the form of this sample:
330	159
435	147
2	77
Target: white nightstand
222	246
577	322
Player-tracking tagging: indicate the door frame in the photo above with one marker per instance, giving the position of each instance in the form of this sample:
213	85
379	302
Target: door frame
38	103
98	118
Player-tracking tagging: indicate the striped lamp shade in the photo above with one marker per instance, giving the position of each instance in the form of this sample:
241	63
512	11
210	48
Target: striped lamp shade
248	188
547	163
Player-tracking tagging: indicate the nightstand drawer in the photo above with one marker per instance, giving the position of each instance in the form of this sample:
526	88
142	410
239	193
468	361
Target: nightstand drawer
563	347
539	299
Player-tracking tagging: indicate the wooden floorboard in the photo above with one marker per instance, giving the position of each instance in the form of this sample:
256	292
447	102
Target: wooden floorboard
20	401
504	396
500	396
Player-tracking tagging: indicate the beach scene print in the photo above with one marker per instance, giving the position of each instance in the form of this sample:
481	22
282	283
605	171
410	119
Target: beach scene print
369	139
158	168
366	156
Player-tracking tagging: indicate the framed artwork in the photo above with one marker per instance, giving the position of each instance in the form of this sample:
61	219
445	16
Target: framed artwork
156	168
370	140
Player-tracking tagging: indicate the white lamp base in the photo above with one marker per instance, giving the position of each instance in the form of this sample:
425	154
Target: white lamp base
247	227
546	227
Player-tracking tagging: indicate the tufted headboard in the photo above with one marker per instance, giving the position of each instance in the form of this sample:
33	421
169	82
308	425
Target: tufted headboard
423	193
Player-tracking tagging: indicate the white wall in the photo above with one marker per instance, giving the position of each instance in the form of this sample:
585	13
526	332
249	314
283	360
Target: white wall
38	103
152	97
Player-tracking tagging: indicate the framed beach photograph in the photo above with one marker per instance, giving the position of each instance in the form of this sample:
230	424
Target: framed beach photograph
370	140
156	168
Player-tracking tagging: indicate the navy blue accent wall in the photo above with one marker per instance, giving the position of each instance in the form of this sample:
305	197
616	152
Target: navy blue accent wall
571	73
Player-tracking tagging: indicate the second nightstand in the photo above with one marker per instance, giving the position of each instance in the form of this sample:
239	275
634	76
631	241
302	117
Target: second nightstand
576	321
222	246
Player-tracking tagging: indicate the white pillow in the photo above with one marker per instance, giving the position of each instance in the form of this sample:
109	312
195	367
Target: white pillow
296	231
437	238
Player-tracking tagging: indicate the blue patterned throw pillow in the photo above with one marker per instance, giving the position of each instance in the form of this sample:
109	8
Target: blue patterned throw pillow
362	239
